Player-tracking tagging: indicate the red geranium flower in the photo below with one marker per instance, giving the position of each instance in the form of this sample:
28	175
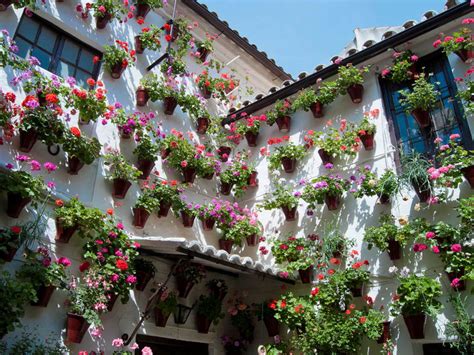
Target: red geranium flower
84	266
168	38
121	264
96	59
90	82
76	132
16	229
52	98
59	202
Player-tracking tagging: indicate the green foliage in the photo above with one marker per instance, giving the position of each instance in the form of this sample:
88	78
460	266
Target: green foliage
423	96
145	265
462	328
237	174
380	236
166	192
401	70
82	147
150	37
289	150
174	65
210	307
289	250
280	197
115	8
304	100
291	309
11	238
415	171
465	211
147	200
337	142
27	185
241	230
459	40
167	302
281	108
45	122
371	185
349	75
414	230
366	126
317	189
39	270
114	55
192	272
119	168
147	148
154	4
28	343
454	157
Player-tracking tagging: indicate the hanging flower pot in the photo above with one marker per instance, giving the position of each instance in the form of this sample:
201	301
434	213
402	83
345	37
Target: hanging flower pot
4	4
423	193
121	187
203	324
102	21
117	70
138	45
224	153
203	53
8	254
63	234
161	318
145	166
142	96
384	199
140	216
208	176
306	274
413	72
189	174
43	293
367	141
202	125
253	180
218	293
164	208
184	286
284	123
356	93
141	10
325	156
332	201
272	325
74	164
386	336
143	277
394	249
188	219
317	109
466	55
461	286
415	324
169	105
289	164
165	153
226	188
27	140
251	138
175	34
208	223
421	117
252	240
226	245
16	203
290	213
76	327
468	173
112	298
357	290
206	93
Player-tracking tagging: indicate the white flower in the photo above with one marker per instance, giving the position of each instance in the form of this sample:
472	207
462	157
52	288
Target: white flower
417	207
392	269
404	271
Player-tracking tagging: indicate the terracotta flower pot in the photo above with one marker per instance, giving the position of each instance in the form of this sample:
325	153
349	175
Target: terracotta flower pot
465	55
208	223
16	203
252	240
356	290
4	4
117	70
289	164
202	125
184	286
143	277
218	293
421	117
74	164
423	193
145	166
272	325
394	249
226	188
415	325
142	96
208	176
226	245
140	216
44	294
384	199
161	318
290	213
457	275
76	328
306	274
169	105
251	138
138	45
165	153
206	92
284	123
142	10
27	140
332	201
385	333
317	109
121	187
9	254
112	298
188	219
63	235
367	141
468	173
325	157
189	174
253	180
356	92
203	324
101	22
224	153
203	53
175	34
164	208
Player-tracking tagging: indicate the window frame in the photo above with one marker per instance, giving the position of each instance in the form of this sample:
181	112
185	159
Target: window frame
58	47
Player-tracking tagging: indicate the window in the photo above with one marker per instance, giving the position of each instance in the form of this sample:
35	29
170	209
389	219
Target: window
57	52
447	118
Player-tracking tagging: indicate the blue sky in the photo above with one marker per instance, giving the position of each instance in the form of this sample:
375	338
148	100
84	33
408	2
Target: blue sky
300	34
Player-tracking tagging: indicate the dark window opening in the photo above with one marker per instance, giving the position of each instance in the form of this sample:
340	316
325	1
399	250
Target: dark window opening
166	346
57	51
439	349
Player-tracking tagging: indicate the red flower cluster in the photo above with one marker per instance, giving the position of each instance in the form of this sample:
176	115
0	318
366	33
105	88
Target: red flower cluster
76	132
15	229
359	264
121	265
278	140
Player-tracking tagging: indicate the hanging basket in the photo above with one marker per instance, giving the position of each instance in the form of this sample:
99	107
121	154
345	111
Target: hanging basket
206	93
272	325
356	92
467	56
394	249
253	180
208	223
161	318
415	325
43	293
111	303
306	274
76	328
367	141
117	70
121	187
224	152
422	117
226	245
203	53
203	324
383	198
138	45
4	4
184	286
325	156
386	336
74	164
143	277
27	140
317	109
252	240
140	216
188	219
142	10
169	105
64	234
284	123
142	96
164	208
251	138
332	201
289	164
457	275
356	290
226	188
290	213
16	203
423	194
189	174
202	125
145	166
9	254
101	22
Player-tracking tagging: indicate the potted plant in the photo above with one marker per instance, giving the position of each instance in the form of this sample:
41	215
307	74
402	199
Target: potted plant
131	124
105	10
461	329
208	213
283	198
355	277
286	155
166	192
186	210
366	131
182	156
290	310
70	216
350	80
147	85
315	101
281	115
249	127
187	275
416	297
205	83
174	65
241	317
455	161
326	188
415	174
146	152
369	184
10	241
164	307
459	42
144	271
234	346
208	311
80	150
403	67
91	103
218	288
144	6
236	176
420	101
145	204
121	173
267	314
166	91
117	58
149	38
247	228
385	237
204	48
